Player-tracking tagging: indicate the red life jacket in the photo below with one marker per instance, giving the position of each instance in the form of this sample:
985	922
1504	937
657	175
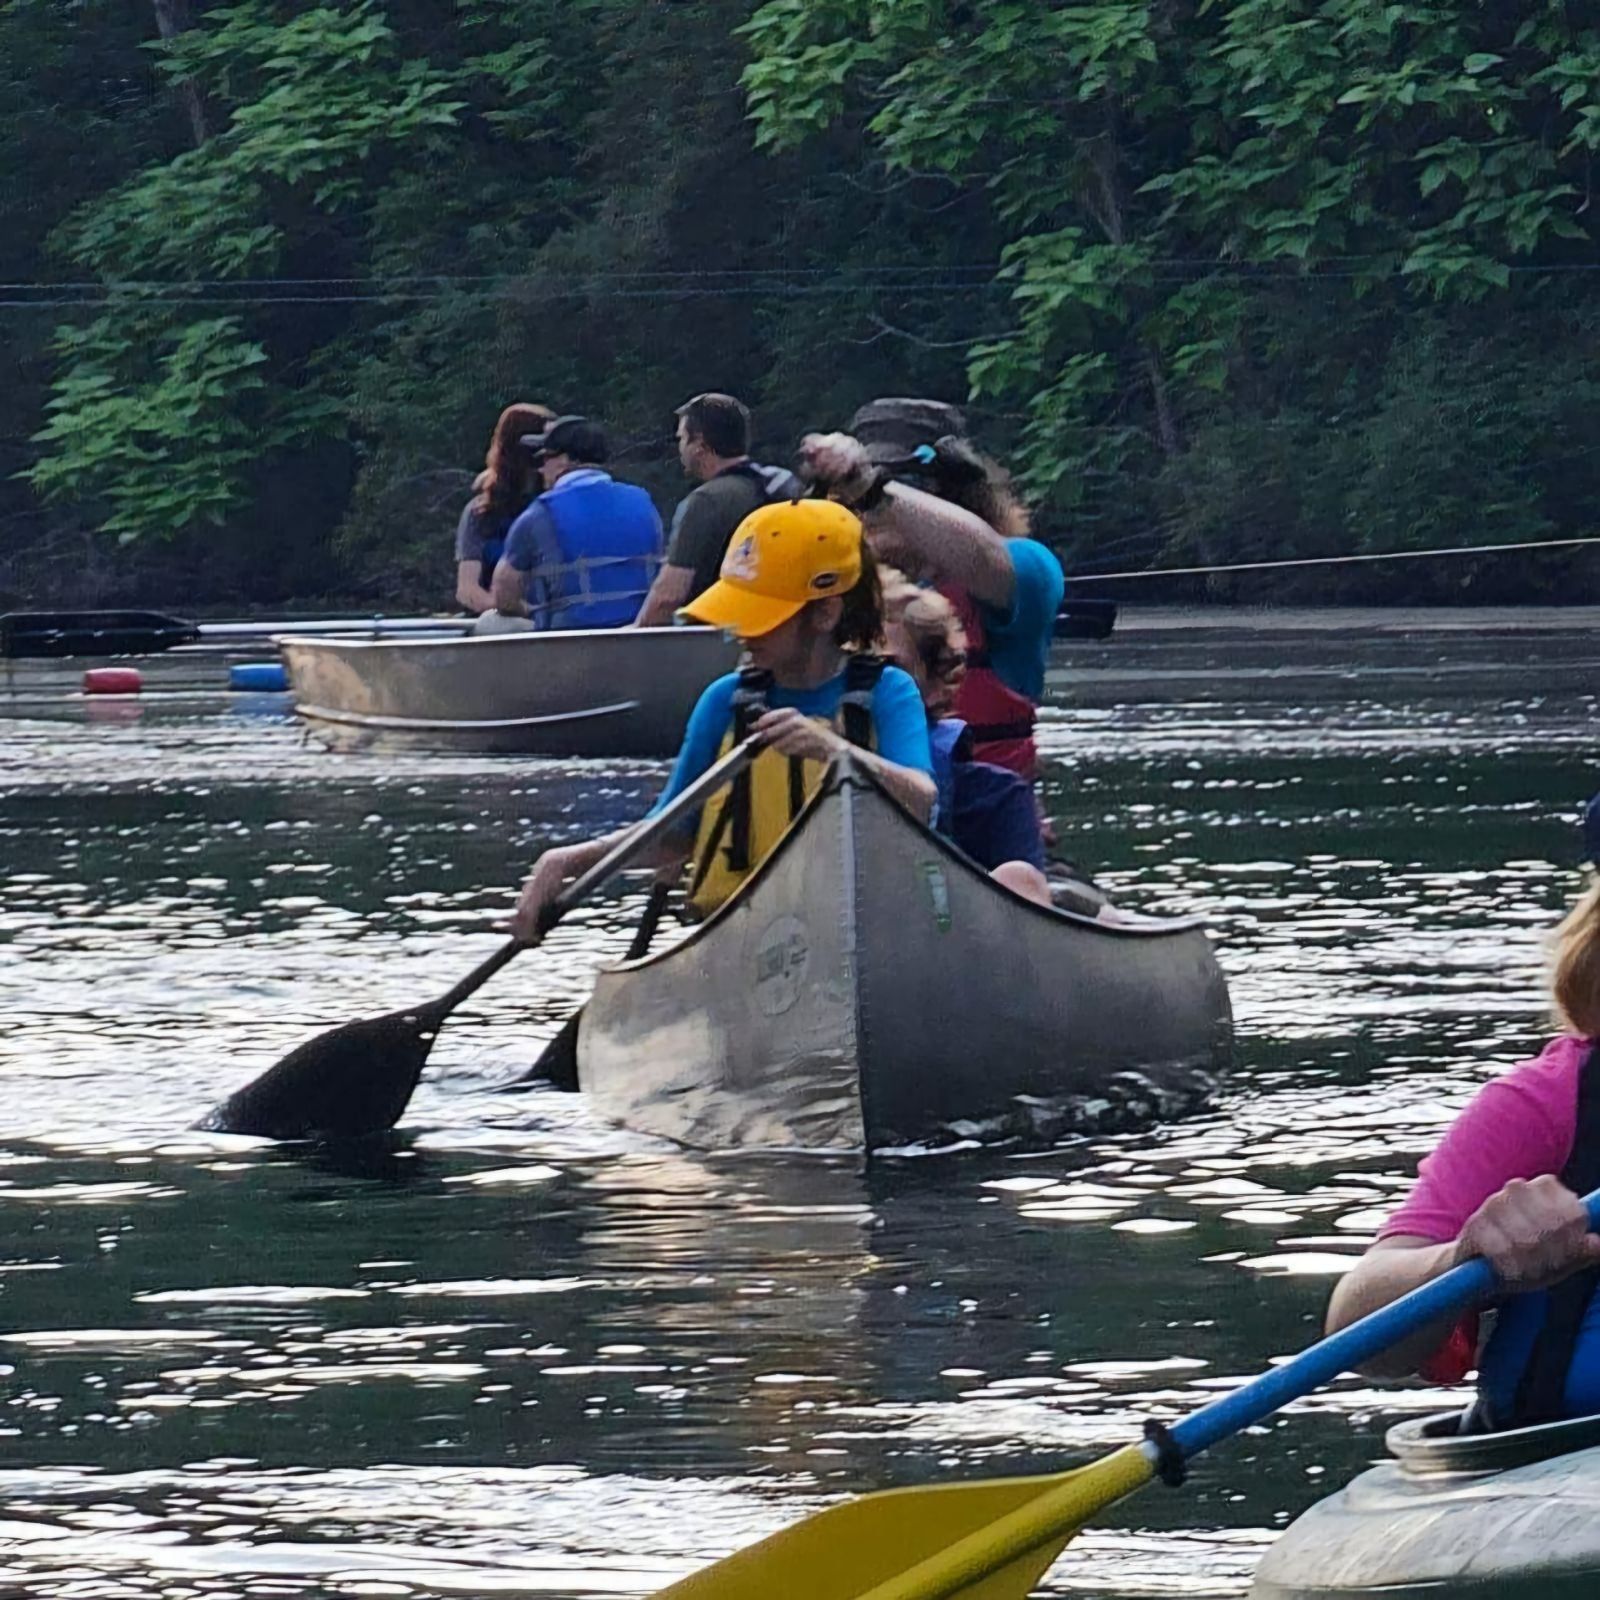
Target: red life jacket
999	719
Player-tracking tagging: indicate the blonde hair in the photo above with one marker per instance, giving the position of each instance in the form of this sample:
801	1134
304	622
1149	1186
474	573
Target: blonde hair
931	625
1575	981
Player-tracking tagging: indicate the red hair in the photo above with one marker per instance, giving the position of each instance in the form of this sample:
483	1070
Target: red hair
503	484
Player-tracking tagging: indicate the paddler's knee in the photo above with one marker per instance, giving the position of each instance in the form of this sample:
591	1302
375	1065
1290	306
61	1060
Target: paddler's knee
1022	877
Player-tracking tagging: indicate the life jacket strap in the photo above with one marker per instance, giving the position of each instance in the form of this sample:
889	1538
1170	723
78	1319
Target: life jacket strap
749	701
862	674
1541	1393
751	697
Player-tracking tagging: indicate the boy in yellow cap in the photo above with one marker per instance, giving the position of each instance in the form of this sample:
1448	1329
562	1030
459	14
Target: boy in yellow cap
799	587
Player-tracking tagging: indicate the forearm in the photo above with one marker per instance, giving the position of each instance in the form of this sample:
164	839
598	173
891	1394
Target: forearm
914	790
577	859
953	543
474	597
509	591
1380	1278
668	592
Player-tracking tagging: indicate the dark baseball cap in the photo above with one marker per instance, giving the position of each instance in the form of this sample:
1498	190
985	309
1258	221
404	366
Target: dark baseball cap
893	428
576	437
1591	831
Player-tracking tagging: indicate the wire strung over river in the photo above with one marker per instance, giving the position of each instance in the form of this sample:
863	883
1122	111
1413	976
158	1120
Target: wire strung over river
1331	561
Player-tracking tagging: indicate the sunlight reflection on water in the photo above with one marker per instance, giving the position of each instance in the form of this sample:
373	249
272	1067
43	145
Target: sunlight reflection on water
518	1351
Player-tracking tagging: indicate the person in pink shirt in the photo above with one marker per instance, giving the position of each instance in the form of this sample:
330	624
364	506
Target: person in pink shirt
1504	1184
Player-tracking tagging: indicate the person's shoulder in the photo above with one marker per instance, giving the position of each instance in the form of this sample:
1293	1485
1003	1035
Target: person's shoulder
634	493
896	688
702	498
1029	556
1541	1093
729	494
719	692
1555	1071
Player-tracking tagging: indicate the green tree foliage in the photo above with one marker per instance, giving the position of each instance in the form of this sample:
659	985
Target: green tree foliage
1234	224
1226	280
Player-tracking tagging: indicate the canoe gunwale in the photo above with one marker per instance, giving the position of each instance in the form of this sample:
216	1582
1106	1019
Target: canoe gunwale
844	772
1426	1448
338	644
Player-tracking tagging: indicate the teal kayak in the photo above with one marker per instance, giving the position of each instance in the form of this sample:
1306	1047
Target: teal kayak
1500	1516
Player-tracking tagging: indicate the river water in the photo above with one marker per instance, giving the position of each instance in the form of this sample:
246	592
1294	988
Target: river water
524	1352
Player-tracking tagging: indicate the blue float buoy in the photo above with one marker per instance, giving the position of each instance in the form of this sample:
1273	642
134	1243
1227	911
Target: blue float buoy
259	677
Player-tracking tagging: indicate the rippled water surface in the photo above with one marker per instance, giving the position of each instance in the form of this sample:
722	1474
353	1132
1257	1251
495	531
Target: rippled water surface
521	1351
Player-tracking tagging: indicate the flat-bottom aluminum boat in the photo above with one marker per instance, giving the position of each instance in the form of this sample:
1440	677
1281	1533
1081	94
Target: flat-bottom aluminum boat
582	692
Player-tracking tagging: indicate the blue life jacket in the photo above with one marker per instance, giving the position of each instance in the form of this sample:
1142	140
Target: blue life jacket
608	546
1542	1362
987	812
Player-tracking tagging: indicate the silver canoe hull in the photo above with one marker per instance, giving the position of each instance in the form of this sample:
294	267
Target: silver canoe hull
1528	1531
870	987
615	692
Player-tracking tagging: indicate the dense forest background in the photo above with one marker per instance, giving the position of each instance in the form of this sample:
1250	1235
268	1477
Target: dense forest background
1223	279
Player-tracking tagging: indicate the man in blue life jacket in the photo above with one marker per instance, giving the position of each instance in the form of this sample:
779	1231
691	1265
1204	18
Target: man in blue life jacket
584	553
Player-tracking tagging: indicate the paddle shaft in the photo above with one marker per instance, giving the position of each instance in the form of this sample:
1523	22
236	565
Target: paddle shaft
1057	1512
1010	1551
628	850
1446	1296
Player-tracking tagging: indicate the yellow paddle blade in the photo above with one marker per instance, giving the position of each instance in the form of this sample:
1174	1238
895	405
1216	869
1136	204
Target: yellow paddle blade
989	1540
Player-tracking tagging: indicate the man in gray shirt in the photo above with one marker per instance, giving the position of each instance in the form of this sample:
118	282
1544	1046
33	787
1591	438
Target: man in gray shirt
714	447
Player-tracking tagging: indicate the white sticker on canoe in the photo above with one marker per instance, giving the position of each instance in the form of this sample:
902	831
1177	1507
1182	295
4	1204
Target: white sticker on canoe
938	894
782	954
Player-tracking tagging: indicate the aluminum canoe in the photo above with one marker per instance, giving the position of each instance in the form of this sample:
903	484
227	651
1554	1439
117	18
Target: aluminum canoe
870	987
581	692
1500	1516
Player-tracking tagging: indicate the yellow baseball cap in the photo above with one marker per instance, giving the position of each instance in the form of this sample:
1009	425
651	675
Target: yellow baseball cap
780	559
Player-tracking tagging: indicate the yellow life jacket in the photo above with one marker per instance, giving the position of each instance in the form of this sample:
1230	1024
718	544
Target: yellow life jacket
741	826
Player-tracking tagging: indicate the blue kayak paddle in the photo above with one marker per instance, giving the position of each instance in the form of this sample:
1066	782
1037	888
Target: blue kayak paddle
995	1538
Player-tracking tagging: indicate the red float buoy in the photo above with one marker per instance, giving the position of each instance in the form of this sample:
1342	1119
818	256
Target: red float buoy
112	680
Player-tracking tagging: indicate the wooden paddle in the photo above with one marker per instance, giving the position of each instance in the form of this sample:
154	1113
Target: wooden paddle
995	1539
558	1061
357	1079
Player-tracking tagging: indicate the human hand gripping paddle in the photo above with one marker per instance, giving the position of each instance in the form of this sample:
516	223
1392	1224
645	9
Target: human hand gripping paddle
994	1539
357	1079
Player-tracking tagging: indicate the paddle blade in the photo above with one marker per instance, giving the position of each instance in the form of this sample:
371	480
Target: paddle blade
348	1083
989	1540
557	1065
